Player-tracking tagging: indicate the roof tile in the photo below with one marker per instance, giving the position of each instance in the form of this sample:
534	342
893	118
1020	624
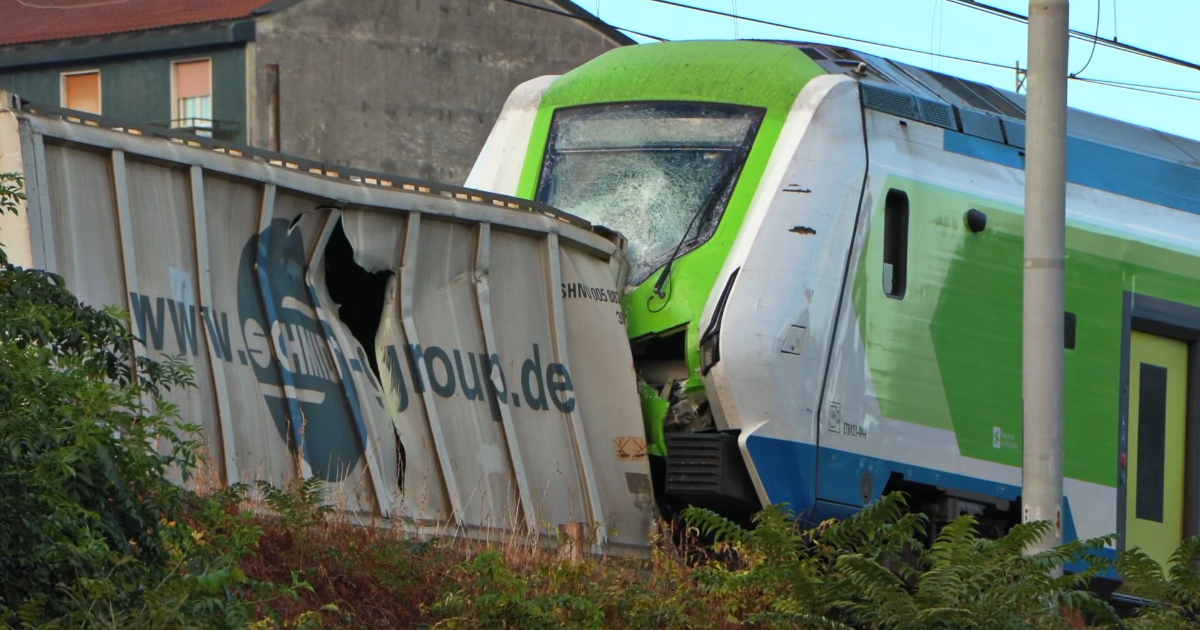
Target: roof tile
25	21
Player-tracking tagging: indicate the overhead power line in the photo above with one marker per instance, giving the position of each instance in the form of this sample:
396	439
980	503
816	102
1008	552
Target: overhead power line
586	19
1160	91
1144	86
1149	89
789	27
1087	37
1095	39
1136	87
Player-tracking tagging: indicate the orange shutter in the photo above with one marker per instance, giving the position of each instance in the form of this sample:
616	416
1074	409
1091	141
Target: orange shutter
193	79
83	92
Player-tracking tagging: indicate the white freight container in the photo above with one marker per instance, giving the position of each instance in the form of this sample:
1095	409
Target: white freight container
453	360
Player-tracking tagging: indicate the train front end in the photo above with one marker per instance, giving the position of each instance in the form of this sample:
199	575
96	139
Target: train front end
734	171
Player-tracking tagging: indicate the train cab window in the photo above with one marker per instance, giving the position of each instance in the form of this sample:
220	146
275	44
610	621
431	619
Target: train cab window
661	174
895	244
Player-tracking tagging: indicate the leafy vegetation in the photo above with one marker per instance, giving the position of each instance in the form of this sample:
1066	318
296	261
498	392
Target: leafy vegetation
90	529
1175	590
870	571
82	487
93	535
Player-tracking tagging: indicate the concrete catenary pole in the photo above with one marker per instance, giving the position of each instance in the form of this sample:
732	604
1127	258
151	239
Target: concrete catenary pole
1045	249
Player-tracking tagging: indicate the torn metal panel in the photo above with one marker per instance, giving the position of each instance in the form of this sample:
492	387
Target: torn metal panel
432	358
601	369
494	378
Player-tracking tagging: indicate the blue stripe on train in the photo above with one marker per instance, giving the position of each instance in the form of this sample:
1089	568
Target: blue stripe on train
1102	167
787	470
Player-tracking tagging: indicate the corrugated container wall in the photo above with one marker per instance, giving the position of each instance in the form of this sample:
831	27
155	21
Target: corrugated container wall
438	357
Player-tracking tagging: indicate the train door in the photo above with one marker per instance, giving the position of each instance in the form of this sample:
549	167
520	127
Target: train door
1154	506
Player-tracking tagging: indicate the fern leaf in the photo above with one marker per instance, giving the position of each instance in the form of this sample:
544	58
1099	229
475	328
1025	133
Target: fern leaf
874	581
797	620
708	522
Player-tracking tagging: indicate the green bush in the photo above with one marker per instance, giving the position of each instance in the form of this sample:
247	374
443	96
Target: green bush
89	535
873	571
82	487
1175	590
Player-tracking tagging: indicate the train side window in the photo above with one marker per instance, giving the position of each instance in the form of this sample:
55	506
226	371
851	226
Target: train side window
895	244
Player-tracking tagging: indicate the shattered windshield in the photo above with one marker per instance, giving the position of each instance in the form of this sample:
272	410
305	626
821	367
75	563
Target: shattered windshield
646	170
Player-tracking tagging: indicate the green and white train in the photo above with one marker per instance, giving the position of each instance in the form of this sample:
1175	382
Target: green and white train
826	282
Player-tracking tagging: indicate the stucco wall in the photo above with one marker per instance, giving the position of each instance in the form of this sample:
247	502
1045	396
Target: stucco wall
411	87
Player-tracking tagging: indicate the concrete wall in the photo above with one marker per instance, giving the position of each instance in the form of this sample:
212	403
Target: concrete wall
138	89
410	87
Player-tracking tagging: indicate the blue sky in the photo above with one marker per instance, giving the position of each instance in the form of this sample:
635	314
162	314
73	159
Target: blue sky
1171	27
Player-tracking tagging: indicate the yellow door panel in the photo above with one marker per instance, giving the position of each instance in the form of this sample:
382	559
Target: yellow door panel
1157	430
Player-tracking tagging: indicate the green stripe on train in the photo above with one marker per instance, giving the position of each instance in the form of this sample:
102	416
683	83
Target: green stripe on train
949	354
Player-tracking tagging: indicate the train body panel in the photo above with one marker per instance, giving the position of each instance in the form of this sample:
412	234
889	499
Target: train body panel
968	316
924	387
775	327
853	322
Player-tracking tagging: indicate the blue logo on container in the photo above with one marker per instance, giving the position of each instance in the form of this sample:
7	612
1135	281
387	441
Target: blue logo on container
295	356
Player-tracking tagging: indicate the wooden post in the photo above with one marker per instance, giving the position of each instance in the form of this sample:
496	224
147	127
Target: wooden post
1074	618
571	542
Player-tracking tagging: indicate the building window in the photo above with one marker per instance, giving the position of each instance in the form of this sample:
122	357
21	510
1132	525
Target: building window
81	91
193	97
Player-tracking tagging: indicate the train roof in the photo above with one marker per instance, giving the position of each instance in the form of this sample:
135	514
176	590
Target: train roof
982	110
988	123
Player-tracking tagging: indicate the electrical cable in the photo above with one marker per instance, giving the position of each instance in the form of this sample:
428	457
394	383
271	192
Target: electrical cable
735	20
1138	89
1149	89
932	26
937	5
789	27
1114	44
1016	17
1115	36
1114	83
588	20
941	38
1095	39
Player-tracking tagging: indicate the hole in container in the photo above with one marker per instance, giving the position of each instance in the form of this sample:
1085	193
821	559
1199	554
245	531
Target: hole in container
358	293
